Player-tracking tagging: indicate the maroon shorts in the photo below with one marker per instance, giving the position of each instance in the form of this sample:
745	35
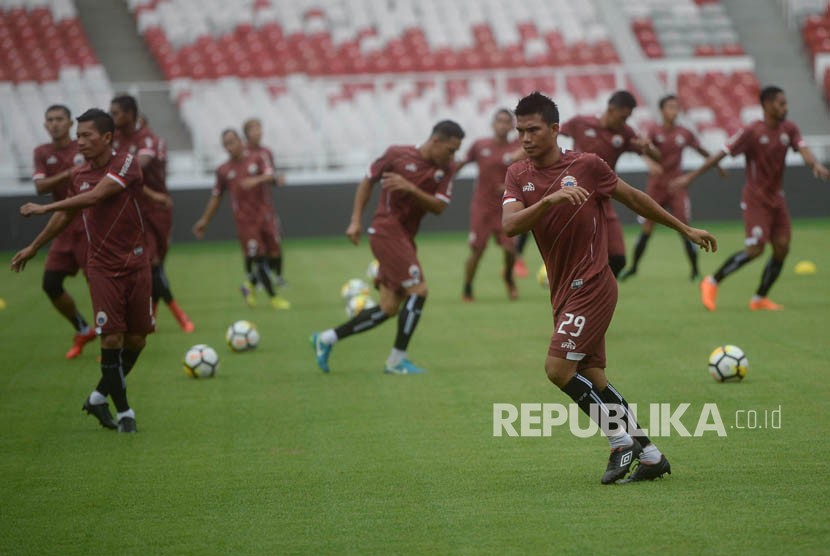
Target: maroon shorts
398	266
122	304
764	224
67	253
485	224
616	243
579	326
158	225
676	202
260	239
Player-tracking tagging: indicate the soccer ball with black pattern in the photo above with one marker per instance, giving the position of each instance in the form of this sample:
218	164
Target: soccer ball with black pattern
201	361
728	363
242	336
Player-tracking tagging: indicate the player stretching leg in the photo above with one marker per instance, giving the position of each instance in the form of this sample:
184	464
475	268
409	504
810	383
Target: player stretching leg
493	155
245	175
107	188
670	139
766	218
560	197
156	205
53	163
414	181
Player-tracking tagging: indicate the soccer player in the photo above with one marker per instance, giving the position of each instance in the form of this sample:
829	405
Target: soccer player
493	155
766	219
156	204
53	163
608	136
246	175
252	129
670	139
107	188
414	181
560	197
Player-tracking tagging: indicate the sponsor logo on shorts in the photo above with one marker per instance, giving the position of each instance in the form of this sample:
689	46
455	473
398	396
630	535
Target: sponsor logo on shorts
101	318
439	175
757	231
415	274
617	141
570	344
411	167
529	186
569	181
576	284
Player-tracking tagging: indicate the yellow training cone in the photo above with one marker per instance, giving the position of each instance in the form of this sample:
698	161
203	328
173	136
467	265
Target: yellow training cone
805	267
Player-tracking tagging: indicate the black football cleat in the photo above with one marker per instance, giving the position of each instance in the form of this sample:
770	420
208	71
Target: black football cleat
127	424
620	462
646	472
100	411
626	274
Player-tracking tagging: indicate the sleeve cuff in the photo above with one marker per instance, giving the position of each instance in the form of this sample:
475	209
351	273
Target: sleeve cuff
148	152
442	197
117	179
38	176
508	200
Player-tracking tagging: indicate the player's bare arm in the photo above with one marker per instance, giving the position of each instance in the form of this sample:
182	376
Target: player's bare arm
396	182
681	182
158	197
706	154
107	187
820	171
361	197
254	181
57	223
648	147
207	216
654	169
517	219
47	185
648	208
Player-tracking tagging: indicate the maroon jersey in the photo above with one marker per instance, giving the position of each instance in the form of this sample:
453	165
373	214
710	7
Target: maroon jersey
266	154
765	149
493	158
143	142
670	143
397	212
590	136
50	160
247	203
572	239
114	226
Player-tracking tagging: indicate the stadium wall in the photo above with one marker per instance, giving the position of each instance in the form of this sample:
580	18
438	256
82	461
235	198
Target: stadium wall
324	210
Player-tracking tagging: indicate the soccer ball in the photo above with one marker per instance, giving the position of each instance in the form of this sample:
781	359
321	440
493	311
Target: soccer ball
200	361
728	363
354	287
357	303
542	276
372	271
242	336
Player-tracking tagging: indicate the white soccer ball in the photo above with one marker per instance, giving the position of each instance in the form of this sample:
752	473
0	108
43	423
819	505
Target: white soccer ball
372	270
200	361
354	287
358	303
242	336
728	363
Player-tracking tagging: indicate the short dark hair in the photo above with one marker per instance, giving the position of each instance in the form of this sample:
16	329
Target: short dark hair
622	99
501	111
769	93
59	107
127	103
447	129
228	130
665	99
537	103
100	119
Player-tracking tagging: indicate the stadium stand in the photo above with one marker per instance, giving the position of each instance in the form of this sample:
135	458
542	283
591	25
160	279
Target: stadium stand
45	58
812	17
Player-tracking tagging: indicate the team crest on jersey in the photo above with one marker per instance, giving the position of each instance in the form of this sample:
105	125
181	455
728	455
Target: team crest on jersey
85	186
486	152
785	139
659	138
52	160
763	139
679	140
617	140
411	167
529	186
439	175
101	318
590	132
569	181
252	168
231	174
78	160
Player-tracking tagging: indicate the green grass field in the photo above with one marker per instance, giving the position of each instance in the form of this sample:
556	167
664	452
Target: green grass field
274	457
